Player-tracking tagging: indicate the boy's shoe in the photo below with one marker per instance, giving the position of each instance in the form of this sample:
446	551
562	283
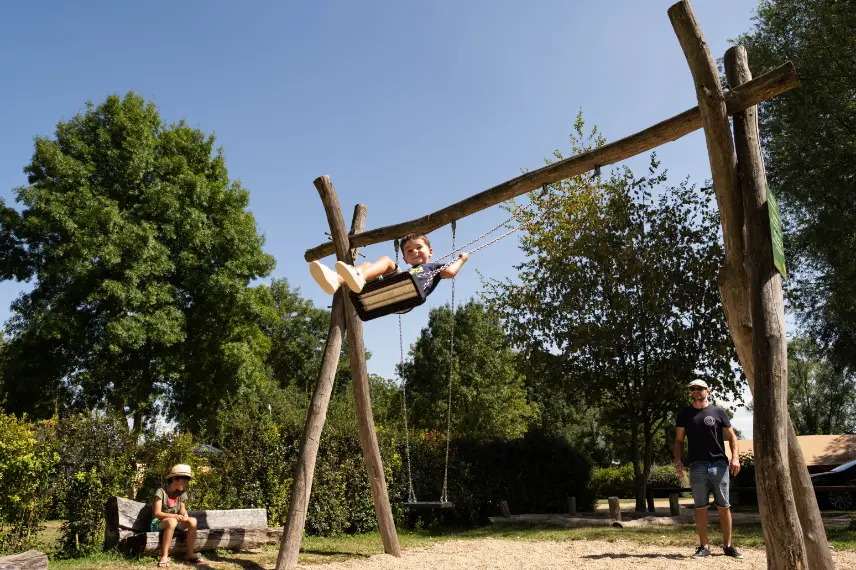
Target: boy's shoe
731	551
324	276
701	552
351	275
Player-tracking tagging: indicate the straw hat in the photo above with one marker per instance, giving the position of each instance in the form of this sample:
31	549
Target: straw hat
180	470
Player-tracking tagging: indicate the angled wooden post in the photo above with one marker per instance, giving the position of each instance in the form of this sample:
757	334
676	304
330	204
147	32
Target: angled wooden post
304	472
779	491
359	376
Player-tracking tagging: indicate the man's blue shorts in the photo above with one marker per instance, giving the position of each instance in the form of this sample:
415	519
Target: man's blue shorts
707	476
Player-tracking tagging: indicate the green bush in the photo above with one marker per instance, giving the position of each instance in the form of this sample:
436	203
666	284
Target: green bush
665	476
26	464
617	481
96	462
534	474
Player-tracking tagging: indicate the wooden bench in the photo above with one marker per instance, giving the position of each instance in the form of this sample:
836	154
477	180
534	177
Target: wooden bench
239	529
30	560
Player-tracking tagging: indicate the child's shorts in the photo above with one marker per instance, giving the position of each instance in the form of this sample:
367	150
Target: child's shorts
154	526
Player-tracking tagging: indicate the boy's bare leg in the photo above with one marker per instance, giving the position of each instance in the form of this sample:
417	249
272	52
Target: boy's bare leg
168	528
725	524
380	267
701	526
190	527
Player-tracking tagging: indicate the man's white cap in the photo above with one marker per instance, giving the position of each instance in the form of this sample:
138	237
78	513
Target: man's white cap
701	383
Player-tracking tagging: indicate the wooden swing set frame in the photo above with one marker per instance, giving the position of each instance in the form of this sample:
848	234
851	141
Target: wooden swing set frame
749	285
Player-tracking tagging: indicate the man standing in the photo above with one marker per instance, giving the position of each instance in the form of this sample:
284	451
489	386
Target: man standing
705	425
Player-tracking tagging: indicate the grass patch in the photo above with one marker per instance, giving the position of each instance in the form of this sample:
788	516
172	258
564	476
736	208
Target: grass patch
318	550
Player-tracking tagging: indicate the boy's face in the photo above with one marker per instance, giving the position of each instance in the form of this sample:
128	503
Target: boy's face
179	483
417	252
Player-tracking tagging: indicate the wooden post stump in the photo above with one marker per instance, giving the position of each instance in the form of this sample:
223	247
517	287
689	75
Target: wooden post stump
30	560
572	505
503	508
614	509
674	505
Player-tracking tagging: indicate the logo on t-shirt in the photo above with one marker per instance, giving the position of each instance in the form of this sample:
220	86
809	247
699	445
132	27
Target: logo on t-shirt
710	421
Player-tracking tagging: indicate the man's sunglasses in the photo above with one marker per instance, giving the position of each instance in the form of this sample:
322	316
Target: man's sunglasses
696	389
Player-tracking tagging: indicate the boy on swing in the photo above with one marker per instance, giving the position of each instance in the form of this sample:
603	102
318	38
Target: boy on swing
416	250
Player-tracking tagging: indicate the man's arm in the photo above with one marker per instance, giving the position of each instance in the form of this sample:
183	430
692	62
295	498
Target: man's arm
735	450
680	433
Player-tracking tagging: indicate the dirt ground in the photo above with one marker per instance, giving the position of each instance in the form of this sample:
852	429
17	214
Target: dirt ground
509	554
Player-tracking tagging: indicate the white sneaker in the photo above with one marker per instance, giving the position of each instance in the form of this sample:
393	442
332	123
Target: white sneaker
351	275
324	276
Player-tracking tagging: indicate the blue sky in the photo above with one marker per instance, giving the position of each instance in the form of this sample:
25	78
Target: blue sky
407	106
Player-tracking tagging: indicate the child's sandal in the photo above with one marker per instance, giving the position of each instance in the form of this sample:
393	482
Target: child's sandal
195	560
163	564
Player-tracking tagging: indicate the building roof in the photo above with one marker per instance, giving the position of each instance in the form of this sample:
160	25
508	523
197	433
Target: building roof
817	449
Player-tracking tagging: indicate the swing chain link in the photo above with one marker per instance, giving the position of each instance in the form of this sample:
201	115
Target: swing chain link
411	496
444	496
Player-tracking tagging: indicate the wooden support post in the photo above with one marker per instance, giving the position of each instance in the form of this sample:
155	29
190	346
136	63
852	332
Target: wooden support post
783	523
572	505
649	496
503	508
760	89
674	505
304	472
614	509
359	377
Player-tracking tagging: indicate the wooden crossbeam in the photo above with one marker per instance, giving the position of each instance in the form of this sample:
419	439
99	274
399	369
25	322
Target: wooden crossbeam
763	87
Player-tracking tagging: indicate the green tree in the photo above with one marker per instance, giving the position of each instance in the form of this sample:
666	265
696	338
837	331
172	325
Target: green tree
618	295
821	396
141	252
488	397
809	137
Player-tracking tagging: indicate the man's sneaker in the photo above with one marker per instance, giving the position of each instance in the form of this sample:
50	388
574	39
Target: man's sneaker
701	552
731	551
351	275
324	276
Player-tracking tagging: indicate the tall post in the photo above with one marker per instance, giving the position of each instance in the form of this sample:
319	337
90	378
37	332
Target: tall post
304	472
359	377
785	520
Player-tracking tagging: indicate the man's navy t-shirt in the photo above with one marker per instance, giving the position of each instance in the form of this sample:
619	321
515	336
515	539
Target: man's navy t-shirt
704	430
422	272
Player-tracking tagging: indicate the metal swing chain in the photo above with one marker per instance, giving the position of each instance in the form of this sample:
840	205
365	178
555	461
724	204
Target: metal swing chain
411	496
444	496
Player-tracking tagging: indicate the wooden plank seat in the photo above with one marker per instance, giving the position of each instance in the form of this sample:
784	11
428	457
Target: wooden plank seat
30	560
239	529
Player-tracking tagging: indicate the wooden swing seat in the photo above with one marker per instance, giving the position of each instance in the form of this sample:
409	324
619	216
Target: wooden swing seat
395	293
427	505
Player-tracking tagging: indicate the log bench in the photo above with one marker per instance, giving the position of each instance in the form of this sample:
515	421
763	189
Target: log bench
239	529
30	560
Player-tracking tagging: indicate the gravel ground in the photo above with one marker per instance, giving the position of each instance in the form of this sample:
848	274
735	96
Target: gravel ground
518	555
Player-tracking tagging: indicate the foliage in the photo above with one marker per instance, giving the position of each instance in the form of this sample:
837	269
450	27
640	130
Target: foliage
665	476
617	301
809	137
96	462
26	464
141	251
488	397
534	474
821	396
614	481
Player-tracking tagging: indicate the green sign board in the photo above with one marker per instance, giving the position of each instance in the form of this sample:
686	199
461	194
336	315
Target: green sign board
776	233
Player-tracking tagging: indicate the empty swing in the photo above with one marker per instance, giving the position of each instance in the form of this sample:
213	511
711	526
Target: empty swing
444	502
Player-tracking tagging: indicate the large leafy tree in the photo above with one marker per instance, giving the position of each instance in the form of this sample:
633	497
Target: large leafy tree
617	298
488	396
141	252
809	137
821	395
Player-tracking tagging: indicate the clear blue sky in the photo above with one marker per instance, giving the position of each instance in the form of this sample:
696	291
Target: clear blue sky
408	106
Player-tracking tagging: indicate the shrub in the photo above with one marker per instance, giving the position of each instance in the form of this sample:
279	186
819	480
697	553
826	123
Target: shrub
26	464
665	476
617	481
534	474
